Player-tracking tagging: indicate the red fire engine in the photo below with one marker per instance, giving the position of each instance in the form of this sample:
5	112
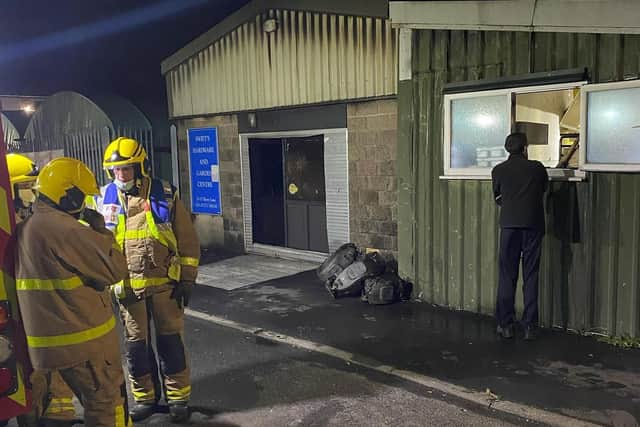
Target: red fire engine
15	396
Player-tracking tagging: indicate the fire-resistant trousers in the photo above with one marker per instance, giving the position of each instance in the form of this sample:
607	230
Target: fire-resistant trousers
100	386
168	322
60	400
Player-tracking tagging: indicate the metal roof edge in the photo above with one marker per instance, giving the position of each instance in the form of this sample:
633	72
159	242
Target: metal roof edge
373	8
593	16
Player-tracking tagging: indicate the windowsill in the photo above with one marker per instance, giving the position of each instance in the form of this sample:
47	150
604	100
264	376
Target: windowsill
555	174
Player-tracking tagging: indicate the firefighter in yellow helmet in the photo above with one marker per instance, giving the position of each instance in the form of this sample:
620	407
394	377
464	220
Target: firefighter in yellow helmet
157	236
23	172
63	269
22	175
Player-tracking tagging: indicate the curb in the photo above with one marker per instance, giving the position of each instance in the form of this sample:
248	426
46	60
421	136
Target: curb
475	397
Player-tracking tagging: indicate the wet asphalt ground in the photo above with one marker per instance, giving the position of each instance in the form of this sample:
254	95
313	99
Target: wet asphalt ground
243	380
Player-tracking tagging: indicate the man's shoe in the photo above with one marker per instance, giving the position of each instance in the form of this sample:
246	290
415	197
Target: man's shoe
530	333
179	412
505	332
141	411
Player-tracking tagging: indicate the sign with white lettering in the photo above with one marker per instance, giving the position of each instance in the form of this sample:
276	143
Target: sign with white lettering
204	170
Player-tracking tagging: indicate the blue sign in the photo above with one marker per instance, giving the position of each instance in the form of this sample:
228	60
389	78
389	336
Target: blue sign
205	171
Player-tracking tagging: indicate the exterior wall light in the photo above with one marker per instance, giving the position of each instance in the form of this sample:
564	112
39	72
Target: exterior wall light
252	119
270	25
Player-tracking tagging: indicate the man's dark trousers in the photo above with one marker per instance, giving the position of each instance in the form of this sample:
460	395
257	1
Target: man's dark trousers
513	243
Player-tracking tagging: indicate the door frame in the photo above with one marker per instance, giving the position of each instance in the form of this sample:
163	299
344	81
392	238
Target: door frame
336	204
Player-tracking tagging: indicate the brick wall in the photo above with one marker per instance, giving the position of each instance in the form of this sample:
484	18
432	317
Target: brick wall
372	174
225	231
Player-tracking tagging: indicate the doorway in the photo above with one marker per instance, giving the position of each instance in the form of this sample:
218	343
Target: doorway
267	191
316	215
288	194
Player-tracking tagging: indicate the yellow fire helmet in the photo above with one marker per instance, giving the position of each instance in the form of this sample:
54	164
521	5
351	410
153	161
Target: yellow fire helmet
125	151
21	169
66	182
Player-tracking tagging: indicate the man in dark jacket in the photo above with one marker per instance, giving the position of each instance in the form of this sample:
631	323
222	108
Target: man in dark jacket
519	185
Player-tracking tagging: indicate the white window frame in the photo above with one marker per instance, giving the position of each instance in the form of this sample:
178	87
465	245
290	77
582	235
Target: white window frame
584	137
469	173
485	173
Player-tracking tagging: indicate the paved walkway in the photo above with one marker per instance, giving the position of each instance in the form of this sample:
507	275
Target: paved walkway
245	270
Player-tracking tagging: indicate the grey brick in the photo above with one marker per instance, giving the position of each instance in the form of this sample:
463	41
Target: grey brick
387	198
386	168
356	123
388	106
368	197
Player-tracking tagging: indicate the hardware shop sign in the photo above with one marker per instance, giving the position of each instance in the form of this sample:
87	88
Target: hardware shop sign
204	170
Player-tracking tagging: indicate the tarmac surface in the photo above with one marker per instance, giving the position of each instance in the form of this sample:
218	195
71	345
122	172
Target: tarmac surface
242	379
560	372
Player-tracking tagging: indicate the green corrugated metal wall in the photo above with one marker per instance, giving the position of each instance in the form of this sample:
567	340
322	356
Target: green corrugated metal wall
448	229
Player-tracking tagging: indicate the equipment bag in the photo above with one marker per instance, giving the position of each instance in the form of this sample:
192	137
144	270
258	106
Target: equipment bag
342	258
350	281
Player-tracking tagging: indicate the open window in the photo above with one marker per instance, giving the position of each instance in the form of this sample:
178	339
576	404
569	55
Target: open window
478	118
611	131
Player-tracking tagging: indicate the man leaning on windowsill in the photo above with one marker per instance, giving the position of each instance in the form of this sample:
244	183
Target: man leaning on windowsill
519	185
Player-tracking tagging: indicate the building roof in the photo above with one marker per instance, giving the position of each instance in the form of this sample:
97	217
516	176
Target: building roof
575	16
373	8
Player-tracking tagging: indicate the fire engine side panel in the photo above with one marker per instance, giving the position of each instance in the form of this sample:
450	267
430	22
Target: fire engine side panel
19	401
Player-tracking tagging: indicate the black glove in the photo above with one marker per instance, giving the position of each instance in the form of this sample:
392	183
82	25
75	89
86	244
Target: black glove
181	293
93	218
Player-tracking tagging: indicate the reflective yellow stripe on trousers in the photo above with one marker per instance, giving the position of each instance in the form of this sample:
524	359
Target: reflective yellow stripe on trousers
182	394
120	420
141	394
73	338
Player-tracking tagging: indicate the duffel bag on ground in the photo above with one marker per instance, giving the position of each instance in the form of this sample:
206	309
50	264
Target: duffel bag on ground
350	281
342	258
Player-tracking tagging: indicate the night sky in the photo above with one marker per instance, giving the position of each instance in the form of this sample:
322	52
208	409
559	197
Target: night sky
98	46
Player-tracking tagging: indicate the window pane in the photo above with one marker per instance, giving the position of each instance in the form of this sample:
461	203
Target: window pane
613	126
479	126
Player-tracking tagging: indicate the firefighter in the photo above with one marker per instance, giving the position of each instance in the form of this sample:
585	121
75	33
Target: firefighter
63	269
22	175
161	246
23	172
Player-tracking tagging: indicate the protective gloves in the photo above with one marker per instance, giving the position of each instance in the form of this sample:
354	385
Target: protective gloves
182	292
93	218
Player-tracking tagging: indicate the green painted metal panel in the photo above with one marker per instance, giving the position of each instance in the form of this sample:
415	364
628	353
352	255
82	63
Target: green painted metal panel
448	230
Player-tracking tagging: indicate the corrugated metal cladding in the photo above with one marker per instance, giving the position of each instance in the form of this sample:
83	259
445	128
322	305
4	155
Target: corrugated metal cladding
310	58
10	134
70	124
448	229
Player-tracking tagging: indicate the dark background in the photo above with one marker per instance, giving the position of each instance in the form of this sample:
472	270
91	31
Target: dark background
100	46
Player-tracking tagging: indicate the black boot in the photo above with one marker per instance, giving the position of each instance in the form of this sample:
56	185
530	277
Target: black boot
179	412
141	411
530	333
505	331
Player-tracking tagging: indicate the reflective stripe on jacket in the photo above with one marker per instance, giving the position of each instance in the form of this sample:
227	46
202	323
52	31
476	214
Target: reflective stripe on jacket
155	232
63	269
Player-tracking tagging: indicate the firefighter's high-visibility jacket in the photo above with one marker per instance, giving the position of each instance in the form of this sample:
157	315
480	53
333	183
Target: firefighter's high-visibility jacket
63	269
156	234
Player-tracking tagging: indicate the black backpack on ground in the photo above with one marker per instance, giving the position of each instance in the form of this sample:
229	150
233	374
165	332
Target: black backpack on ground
342	258
350	281
385	289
